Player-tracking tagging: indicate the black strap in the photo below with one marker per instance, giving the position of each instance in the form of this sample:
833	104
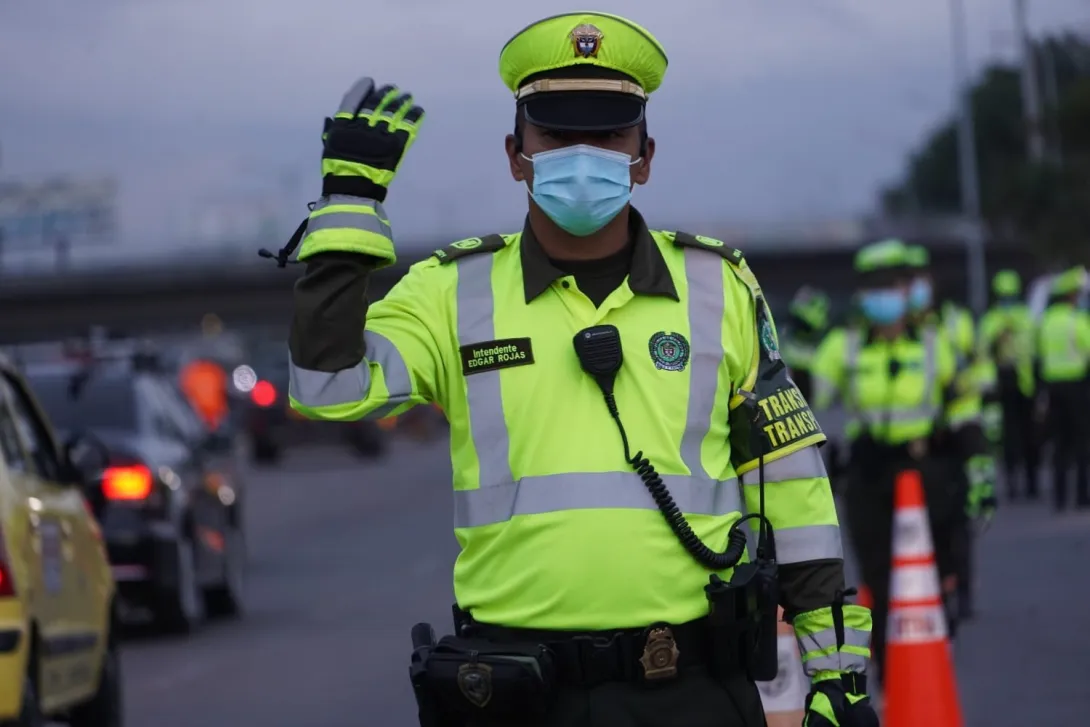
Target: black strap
352	187
733	255
470	246
590	658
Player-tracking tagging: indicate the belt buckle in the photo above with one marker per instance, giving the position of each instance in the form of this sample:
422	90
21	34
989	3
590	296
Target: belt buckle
598	659
660	654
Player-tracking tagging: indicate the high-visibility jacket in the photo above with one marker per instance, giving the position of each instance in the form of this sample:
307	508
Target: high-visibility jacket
895	403
1006	335
1063	344
556	531
959	326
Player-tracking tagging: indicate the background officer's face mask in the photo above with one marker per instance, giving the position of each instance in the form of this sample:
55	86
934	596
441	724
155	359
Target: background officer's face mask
883	307
582	187
920	296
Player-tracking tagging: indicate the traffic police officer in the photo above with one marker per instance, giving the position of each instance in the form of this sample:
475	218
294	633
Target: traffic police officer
1064	360
807	325
905	404
956	326
1006	338
562	545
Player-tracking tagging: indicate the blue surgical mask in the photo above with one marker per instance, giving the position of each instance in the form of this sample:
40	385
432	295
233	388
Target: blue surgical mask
883	307
919	297
581	188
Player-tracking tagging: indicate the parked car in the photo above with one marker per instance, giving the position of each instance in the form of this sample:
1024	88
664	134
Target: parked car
170	508
58	614
271	423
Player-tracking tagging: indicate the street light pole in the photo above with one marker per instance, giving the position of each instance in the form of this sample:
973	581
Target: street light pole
1031	95
967	161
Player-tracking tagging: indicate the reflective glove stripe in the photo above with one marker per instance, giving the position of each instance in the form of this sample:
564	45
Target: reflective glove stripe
349	224
824	651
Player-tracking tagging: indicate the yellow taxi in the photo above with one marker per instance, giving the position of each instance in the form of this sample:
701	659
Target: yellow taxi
58	641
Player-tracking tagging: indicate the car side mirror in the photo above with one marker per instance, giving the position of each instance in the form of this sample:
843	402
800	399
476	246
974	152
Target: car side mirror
84	458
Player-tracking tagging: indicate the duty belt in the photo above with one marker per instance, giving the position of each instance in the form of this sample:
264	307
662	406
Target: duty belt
591	658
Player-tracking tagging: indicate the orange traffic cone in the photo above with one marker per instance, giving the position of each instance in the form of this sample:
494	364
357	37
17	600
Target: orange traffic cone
784	698
920	688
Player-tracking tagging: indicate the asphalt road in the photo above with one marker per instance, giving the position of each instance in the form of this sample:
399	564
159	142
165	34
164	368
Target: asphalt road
347	556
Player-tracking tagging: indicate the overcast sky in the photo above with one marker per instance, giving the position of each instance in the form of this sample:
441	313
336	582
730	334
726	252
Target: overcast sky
771	109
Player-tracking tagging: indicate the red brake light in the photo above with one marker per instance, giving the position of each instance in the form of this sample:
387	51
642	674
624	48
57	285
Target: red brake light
263	394
127	483
7	583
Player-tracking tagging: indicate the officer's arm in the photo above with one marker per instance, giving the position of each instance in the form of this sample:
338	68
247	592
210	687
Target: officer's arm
348	361
961	400
774	434
827	369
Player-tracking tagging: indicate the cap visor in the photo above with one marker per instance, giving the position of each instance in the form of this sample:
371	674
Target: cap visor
583	111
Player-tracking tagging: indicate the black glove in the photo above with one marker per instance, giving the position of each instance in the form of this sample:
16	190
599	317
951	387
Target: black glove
366	140
839	703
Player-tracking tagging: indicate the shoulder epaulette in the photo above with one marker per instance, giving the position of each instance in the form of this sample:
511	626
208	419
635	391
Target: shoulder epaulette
469	246
730	254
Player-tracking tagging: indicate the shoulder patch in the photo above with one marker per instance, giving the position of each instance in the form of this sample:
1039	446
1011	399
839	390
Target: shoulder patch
469	246
730	254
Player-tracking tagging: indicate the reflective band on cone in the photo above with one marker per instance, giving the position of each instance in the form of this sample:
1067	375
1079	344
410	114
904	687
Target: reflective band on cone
784	698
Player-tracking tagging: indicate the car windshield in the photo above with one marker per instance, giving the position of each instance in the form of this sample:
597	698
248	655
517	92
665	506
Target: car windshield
100	403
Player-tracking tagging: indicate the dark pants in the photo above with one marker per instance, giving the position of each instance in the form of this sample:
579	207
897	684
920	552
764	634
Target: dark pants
869	515
694	699
1020	446
1069	431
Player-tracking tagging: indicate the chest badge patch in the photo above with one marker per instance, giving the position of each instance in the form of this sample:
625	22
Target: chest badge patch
478	358
669	351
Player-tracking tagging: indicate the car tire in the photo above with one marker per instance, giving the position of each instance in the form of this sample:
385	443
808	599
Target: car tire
106	707
179	610
228	599
30	714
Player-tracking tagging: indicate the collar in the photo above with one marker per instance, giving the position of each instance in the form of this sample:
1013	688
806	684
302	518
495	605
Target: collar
648	275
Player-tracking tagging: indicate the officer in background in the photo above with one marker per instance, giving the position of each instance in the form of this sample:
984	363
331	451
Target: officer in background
957	330
906	404
1007	339
808	322
573	591
1064	359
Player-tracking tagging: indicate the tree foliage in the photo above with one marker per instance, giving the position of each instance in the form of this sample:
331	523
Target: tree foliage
1046	204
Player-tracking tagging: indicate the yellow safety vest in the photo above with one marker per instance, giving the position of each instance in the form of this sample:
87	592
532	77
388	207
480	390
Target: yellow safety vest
1064	344
926	392
556	530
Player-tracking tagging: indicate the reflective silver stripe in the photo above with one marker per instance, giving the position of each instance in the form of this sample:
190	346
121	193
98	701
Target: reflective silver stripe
322	388
897	416
586	491
705	308
348	219
824	393
838	661
809	542
853	344
803	464
476	311
395	372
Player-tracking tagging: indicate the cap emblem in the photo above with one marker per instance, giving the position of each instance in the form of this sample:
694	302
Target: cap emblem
586	40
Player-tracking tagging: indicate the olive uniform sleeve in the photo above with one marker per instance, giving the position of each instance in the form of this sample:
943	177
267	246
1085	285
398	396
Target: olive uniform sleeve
775	436
774	444
349	361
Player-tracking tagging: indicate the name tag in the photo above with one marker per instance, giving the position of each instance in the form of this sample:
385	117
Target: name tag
478	358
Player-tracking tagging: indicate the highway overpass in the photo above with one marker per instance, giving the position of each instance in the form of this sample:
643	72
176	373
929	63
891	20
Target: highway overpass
173	295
